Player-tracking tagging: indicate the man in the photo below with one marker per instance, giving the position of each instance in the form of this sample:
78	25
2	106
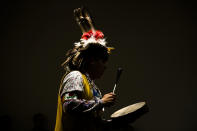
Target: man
80	102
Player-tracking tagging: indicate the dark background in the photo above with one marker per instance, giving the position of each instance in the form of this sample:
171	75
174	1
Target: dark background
155	45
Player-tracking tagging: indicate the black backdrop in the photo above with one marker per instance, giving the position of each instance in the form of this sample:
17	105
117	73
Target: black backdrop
155	45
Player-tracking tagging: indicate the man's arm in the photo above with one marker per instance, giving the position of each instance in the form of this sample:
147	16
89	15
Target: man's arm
72	102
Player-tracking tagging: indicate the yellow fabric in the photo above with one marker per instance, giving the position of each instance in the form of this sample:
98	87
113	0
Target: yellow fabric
87	95
58	125
87	92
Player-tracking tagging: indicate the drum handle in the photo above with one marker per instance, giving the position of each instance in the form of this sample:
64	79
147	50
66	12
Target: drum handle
119	71
114	88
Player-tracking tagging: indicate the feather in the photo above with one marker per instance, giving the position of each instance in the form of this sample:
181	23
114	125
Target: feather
83	19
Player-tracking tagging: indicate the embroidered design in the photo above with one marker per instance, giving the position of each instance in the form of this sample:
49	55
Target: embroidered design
70	95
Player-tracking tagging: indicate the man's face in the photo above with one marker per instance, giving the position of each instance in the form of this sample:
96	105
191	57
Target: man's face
97	68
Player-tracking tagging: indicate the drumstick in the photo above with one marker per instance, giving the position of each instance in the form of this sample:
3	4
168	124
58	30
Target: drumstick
119	71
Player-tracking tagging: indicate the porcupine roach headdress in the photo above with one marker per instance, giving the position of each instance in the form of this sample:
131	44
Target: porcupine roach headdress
90	40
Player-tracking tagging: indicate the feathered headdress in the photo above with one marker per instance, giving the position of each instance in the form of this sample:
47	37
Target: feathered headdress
90	39
90	34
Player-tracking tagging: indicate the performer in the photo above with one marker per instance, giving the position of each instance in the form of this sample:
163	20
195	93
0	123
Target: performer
80	103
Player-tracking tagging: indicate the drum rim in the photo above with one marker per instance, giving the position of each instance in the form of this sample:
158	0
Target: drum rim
114	115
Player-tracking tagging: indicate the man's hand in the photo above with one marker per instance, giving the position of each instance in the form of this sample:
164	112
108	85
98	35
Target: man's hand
109	99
